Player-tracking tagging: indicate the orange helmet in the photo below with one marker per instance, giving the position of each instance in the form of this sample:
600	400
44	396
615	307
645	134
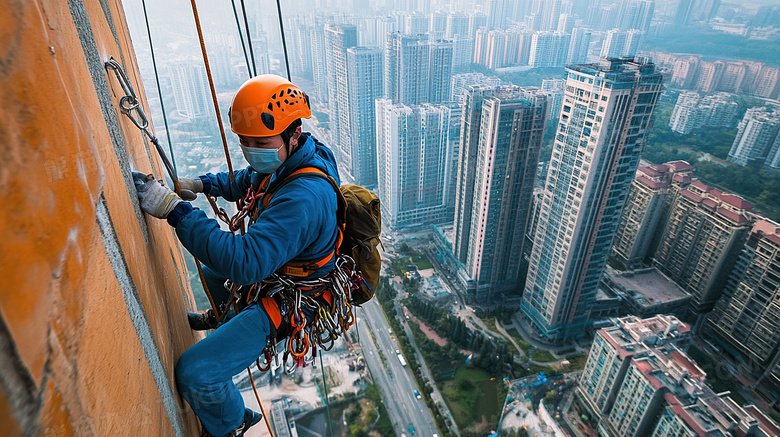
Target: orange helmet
265	105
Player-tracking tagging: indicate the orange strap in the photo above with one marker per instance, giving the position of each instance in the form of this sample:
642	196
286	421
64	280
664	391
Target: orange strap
272	309
304	269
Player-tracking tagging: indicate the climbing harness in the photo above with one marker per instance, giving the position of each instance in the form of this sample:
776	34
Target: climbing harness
308	314
131	107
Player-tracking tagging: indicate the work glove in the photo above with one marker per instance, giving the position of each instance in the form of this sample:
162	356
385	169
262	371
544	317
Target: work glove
155	198
189	188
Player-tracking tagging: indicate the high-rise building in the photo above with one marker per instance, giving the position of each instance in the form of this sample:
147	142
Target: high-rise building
685	72
414	154
767	84
439	71
554	89
641	215
710	74
746	320
358	136
579	45
548	49
701	242
637	381
416	24
190	89
686	116
437	28
733	78
644	15
550	14
457	25
633	39
462	82
614	43
653	193
616	346
462	53
693	113
417	70
319	47
756	134
604	119
499	162
683	14
496	11
339	38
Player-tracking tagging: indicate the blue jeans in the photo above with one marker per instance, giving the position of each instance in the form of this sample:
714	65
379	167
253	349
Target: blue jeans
204	372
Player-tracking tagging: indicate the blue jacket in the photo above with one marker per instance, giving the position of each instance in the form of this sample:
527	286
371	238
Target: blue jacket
298	225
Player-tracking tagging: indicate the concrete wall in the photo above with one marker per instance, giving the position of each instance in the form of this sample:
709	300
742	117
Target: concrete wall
93	294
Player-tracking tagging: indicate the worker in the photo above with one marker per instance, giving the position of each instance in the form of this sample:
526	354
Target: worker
299	224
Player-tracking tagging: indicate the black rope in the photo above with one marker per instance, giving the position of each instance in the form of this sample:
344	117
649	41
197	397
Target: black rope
241	35
284	41
159	90
249	38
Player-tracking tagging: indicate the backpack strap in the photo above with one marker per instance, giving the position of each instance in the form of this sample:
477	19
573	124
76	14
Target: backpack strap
303	269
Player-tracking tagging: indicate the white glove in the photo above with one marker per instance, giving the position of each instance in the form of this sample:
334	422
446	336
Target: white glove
189	188
155	198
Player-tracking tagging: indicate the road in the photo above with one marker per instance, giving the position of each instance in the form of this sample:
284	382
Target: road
395	381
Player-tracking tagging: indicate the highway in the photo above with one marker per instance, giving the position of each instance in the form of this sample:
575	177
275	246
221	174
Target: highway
394	380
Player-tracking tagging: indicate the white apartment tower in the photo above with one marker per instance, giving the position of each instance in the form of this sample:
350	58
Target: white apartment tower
190	89
606	112
414	163
417	70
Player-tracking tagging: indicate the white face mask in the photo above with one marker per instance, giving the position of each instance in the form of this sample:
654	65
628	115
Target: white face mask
262	160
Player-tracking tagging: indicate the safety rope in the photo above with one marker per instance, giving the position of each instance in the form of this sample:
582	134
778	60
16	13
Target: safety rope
241	35
257	396
157	81
327	401
284	41
249	39
211	85
131	107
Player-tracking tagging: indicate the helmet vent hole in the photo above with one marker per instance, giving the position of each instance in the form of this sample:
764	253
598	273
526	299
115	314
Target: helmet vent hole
268	120
270	106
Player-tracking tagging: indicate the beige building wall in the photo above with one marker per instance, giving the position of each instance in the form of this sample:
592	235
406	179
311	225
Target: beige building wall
94	293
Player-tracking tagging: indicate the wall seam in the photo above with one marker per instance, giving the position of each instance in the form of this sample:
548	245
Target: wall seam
100	82
138	315
18	384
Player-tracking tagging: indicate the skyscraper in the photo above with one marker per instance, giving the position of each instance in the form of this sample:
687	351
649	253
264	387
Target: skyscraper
339	38
756	134
638	382
499	162
701	242
614	43
747	318
578	47
549	49
605	116
413	159
358	139
417	70
190	89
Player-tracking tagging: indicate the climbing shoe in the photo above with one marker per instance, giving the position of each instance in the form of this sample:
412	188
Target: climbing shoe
251	418
202	320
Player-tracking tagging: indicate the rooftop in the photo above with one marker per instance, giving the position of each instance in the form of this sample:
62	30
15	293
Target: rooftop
650	286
